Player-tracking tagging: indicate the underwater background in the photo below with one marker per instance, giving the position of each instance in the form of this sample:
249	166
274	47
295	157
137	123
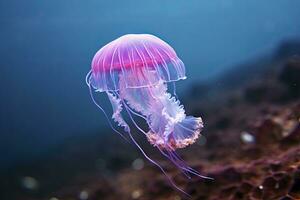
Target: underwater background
243	67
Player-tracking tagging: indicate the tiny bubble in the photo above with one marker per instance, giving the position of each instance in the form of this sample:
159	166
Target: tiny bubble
29	183
247	137
136	194
84	195
138	164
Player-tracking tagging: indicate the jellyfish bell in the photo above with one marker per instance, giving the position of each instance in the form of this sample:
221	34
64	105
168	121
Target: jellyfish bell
134	71
141	59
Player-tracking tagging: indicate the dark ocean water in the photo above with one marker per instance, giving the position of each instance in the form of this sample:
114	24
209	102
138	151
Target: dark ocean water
46	50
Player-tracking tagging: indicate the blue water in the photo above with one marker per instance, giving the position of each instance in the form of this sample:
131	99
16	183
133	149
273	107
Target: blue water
46	49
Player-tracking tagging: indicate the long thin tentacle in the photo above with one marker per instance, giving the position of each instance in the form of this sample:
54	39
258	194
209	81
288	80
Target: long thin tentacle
182	165
155	163
186	167
174	90
147	157
133	121
87	78
135	113
175	163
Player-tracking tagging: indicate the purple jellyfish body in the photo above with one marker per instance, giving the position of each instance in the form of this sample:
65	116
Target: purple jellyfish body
134	71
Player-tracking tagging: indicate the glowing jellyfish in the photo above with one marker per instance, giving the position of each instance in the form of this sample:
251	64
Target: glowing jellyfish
134	71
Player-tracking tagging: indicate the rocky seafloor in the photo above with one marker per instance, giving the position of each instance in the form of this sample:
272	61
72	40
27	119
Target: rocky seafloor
250	147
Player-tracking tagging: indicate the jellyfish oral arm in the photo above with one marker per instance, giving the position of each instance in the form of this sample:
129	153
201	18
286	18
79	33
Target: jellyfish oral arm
117	109
169	151
170	128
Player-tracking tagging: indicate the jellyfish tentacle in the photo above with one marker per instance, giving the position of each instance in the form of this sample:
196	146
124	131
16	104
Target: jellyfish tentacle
180	164
100	107
155	163
88	77
177	163
134	122
174	90
185	165
177	157
148	158
188	168
174	162
137	114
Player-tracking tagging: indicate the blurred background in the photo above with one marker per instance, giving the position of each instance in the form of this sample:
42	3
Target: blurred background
243	69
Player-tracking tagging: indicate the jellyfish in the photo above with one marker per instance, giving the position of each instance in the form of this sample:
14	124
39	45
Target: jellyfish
134	71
